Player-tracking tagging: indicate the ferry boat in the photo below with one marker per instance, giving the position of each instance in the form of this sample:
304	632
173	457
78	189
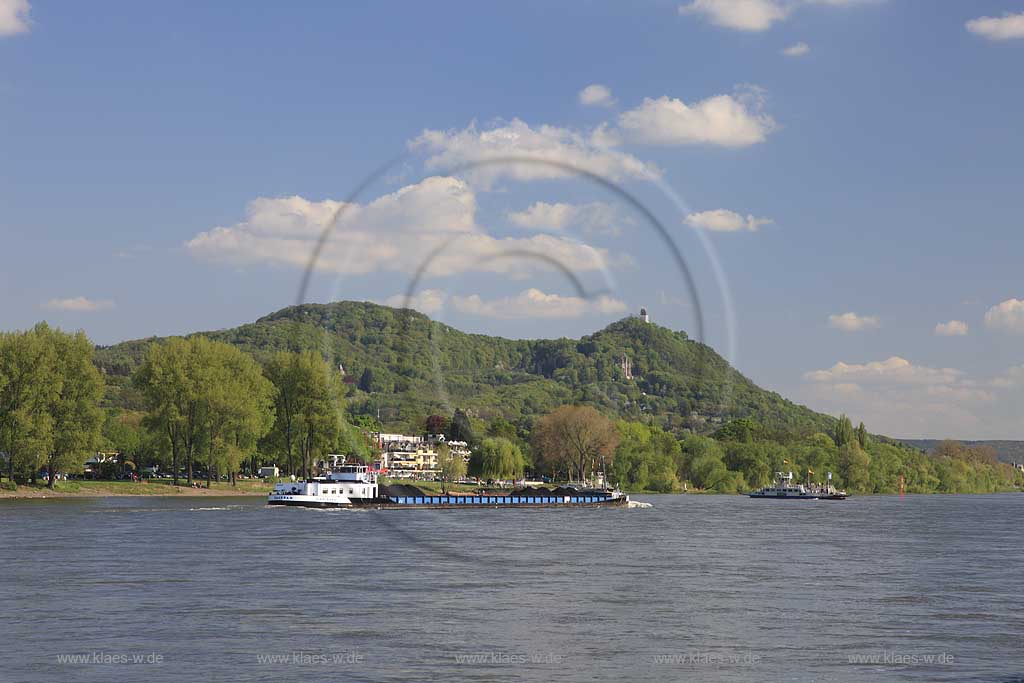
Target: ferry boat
826	491
347	486
785	489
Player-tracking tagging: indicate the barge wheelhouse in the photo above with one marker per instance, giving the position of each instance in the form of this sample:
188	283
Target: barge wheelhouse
344	486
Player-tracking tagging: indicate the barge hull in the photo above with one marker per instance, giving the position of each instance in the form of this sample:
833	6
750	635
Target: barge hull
388	505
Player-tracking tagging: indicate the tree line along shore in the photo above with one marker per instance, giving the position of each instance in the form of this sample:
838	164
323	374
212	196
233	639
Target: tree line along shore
211	412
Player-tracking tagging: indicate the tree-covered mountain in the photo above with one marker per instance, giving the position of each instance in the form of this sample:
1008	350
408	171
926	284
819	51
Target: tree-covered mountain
402	366
1006	451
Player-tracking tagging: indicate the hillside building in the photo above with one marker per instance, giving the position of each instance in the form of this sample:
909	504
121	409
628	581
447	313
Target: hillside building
404	456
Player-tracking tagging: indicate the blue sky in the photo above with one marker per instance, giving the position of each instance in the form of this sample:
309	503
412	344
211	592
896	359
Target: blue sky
166	166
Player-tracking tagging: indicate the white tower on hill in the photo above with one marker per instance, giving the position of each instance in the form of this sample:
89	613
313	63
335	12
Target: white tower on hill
643	315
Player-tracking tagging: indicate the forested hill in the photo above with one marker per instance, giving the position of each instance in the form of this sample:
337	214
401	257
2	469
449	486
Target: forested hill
408	366
1007	451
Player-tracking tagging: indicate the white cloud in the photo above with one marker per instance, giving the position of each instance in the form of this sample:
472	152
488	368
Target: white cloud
742	15
1007	316
724	220
596	95
910	411
428	301
901	399
541	216
1013	377
533	303
953	328
755	15
593	217
851	322
724	120
841	3
394	232
959	394
1006	27
606	136
894	370
456	148
797	49
14	17
78	304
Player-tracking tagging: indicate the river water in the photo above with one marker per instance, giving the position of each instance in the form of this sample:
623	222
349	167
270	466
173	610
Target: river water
697	588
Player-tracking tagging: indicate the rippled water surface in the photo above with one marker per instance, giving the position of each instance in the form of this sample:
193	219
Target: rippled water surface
702	588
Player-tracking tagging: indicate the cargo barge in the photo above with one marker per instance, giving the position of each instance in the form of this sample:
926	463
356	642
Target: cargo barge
355	486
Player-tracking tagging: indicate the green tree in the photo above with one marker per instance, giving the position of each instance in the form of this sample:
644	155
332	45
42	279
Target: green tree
862	436
282	371
238	407
358	444
844	433
752	460
646	458
821	440
662	476
499	426
693	448
28	386
500	459
451	466
74	409
117	434
854	467
320	409
460	429
708	472
367	423
171	382
743	430
631	466
367	381
145	447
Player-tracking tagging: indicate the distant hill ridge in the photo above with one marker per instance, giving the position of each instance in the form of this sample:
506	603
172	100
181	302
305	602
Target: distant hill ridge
1006	450
405	365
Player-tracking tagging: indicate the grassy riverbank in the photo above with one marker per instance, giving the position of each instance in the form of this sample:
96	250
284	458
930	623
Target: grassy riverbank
106	489
160	487
103	489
